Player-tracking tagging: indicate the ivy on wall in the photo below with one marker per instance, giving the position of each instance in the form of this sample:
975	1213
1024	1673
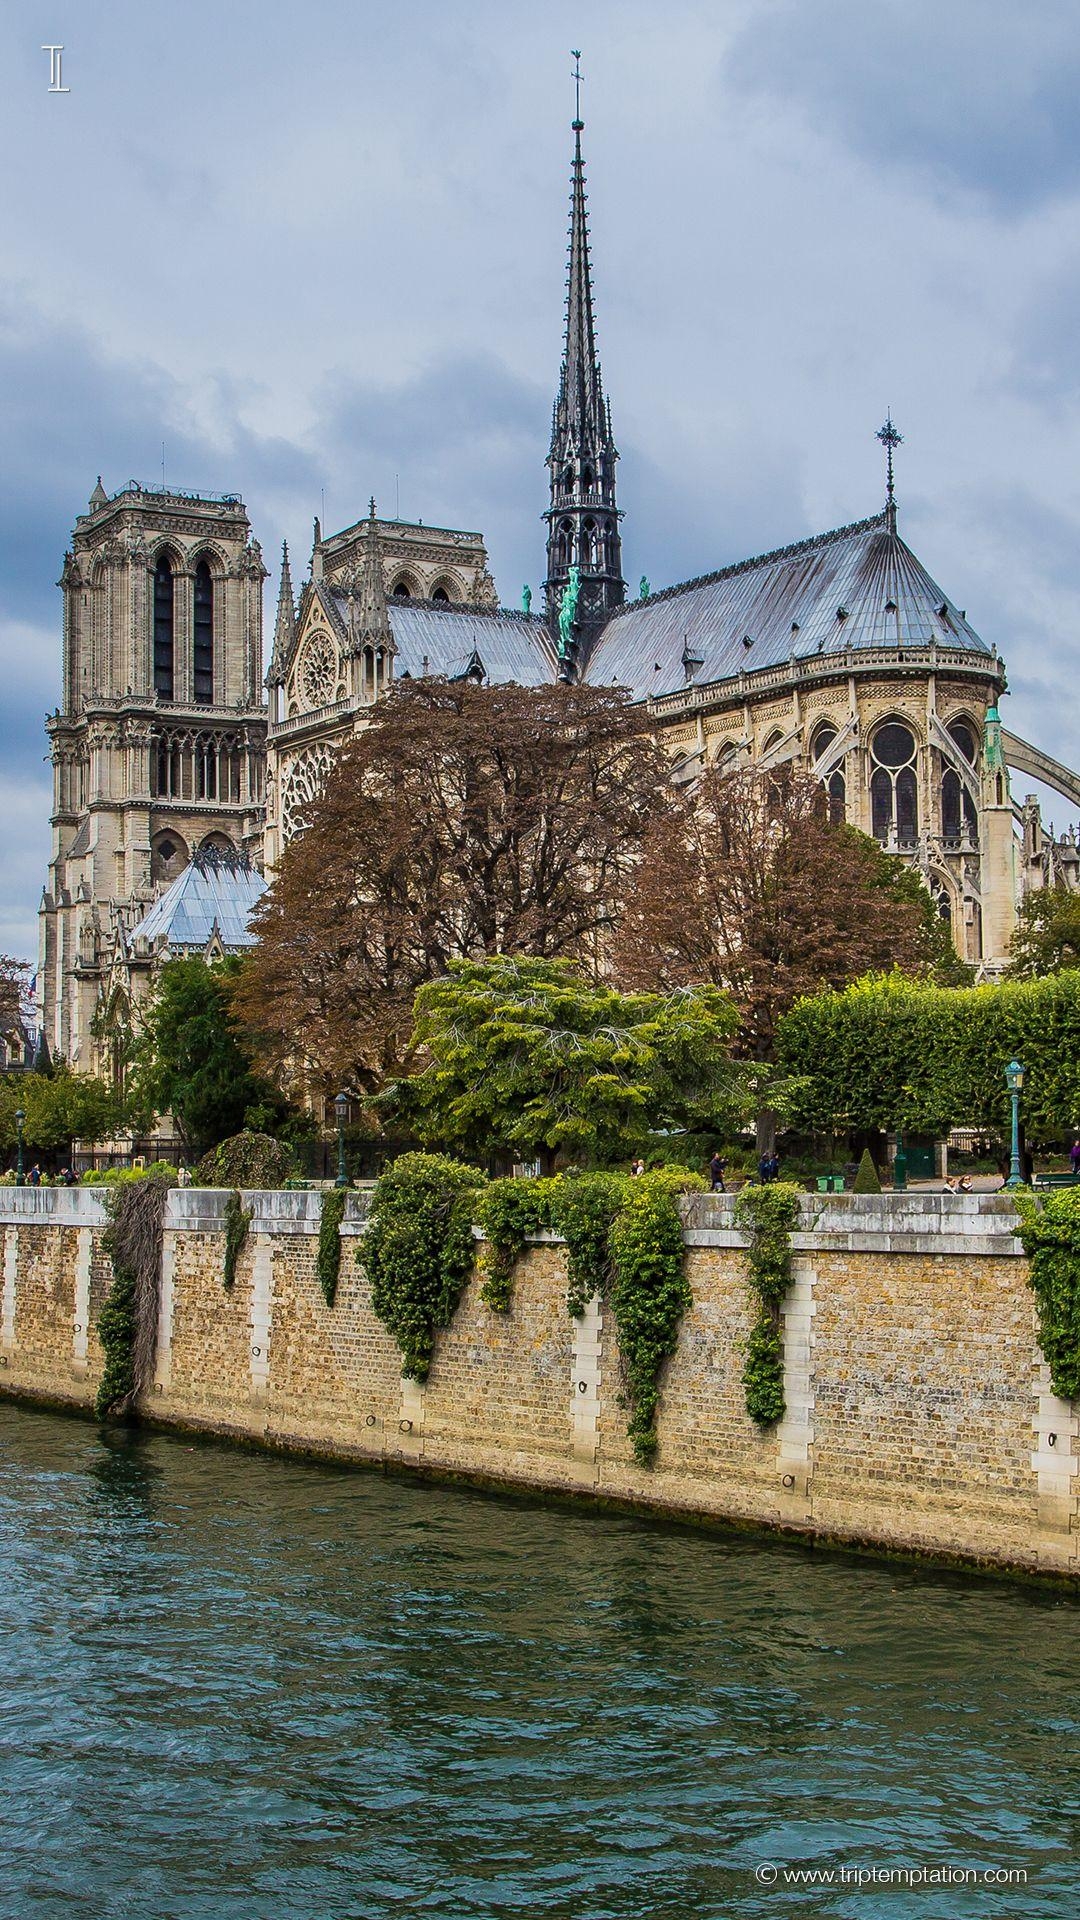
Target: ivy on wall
767	1214
649	1296
238	1219
508	1211
127	1323
583	1207
418	1250
328	1258
1050	1233
623	1238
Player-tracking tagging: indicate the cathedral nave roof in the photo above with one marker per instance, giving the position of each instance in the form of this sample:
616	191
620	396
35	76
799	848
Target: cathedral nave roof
857	588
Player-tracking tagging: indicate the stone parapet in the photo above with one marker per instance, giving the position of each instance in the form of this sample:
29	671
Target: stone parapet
919	1411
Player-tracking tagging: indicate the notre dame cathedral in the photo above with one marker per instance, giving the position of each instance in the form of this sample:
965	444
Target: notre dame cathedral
176	786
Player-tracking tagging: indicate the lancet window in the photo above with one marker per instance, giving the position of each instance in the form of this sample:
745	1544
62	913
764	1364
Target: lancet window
894	791
203	652
164	599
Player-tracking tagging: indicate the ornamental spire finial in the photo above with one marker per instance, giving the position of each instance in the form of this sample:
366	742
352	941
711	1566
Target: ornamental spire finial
578	77
890	439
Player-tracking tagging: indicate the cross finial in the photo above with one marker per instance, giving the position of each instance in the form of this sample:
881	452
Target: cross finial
890	439
578	122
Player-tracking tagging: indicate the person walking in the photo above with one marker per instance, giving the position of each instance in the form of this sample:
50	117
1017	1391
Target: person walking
1074	1155
717	1171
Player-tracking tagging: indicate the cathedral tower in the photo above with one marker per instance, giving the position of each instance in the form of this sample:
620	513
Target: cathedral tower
583	519
159	744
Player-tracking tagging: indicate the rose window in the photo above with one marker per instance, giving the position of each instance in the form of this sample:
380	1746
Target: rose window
318	671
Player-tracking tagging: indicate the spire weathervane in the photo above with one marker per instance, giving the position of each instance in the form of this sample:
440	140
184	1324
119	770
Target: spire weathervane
578	121
890	439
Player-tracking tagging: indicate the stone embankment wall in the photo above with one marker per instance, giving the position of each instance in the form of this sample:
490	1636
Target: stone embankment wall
919	1409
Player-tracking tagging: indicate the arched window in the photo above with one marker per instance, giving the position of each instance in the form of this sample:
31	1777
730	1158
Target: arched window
163	628
959	817
400	590
835	782
440	594
894	793
203	658
586	479
588	543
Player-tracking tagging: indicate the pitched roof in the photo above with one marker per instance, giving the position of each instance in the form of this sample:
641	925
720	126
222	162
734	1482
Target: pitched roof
210	895
509	646
856	588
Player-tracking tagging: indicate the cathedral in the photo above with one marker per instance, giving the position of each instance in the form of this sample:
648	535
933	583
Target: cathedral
176	786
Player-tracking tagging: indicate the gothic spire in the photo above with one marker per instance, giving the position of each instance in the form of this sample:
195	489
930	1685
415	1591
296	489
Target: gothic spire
372	617
583	519
284	625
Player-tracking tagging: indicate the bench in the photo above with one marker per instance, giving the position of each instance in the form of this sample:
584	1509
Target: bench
1056	1180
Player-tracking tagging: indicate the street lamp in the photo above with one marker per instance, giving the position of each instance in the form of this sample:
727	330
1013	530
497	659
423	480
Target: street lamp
1014	1080
20	1179
899	1165
341	1109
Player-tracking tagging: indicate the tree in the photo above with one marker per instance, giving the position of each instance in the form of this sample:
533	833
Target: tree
528	1055
59	1107
192	1061
464	820
1047	936
746	884
12	987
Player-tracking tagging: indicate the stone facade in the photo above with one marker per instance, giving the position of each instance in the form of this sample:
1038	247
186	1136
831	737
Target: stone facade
159	745
919	1411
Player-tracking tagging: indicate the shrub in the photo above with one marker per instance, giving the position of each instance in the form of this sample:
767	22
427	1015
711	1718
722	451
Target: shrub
866	1179
249	1160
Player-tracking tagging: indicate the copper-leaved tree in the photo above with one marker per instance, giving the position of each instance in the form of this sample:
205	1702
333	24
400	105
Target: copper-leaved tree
745	883
463	821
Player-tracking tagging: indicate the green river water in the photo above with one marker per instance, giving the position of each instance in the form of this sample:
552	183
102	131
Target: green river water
240	1688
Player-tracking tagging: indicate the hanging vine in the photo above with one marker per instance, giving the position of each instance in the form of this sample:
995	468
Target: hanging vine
238	1219
1050	1234
508	1211
649	1296
127	1323
583	1207
767	1214
328	1258
418	1250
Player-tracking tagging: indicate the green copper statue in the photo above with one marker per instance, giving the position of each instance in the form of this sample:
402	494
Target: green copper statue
568	611
526	599
644	588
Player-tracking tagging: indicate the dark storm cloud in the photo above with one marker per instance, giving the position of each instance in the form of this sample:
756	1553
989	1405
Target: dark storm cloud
69	411
977	95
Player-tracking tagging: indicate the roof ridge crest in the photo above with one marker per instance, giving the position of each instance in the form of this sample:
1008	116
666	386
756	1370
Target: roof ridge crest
757	560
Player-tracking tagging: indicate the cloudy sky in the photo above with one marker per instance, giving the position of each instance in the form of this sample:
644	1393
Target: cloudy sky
318	251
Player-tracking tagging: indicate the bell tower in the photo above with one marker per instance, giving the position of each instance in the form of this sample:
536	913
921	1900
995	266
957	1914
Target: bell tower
159	745
584	548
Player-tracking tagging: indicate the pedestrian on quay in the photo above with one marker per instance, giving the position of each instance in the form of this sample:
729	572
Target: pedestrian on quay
717	1170
1074	1155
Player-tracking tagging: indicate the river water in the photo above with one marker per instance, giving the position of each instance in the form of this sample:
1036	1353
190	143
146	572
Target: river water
239	1688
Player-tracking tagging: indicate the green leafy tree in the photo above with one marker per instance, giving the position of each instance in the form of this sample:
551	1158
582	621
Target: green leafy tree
527	1055
60	1107
1047	937
192	1061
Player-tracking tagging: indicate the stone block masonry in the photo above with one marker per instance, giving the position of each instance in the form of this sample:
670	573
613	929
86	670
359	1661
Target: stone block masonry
920	1415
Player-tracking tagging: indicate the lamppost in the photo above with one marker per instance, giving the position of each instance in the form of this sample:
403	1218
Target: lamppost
341	1109
899	1165
1014	1080
20	1179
